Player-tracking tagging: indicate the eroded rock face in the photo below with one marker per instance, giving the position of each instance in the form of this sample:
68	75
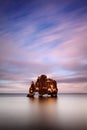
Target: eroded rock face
43	85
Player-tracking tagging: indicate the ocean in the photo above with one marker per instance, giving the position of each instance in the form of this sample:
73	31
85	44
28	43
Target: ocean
66	112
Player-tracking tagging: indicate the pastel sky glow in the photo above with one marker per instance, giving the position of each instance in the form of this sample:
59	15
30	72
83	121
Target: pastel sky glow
43	37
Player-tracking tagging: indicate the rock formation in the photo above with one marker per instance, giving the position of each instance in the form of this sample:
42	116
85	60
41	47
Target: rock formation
43	85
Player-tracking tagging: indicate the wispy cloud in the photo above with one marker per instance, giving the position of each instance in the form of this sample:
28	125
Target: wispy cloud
47	37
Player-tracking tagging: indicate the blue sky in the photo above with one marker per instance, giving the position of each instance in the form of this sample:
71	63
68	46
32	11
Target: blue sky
43	37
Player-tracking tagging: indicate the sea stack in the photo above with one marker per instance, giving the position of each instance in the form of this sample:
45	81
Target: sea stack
43	85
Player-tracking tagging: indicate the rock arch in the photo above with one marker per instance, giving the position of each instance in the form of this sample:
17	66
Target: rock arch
43	85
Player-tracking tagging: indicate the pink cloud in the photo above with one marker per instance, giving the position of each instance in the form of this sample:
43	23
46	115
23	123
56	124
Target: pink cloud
72	88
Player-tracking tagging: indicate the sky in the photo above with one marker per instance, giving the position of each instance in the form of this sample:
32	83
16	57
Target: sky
43	37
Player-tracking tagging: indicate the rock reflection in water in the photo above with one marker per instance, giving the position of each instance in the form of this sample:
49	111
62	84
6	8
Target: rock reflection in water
44	112
63	112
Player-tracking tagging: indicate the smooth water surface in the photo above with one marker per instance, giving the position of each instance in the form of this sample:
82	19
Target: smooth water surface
67	111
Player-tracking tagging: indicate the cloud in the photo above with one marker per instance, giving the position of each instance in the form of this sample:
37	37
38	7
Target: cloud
43	37
72	88
71	53
74	79
22	70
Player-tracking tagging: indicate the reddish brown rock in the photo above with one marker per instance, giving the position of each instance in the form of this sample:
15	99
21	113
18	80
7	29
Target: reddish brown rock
43	85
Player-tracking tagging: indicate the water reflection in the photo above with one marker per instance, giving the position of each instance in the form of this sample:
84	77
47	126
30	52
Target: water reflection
63	112
44	112
44	100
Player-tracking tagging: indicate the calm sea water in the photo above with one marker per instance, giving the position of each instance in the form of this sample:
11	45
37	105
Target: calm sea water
67	111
